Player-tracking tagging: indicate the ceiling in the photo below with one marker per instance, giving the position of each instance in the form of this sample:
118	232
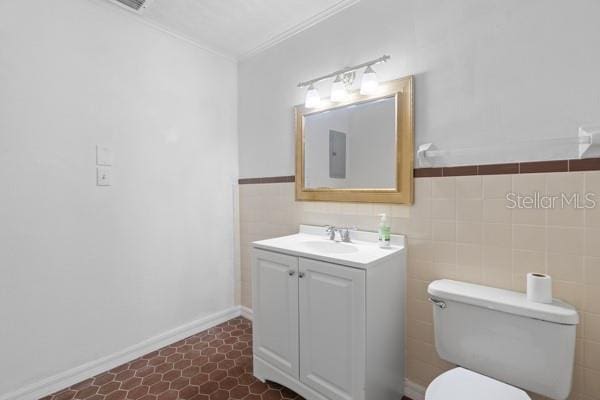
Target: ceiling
240	28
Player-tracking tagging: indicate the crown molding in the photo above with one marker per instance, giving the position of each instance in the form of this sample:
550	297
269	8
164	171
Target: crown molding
273	41
185	38
141	18
302	26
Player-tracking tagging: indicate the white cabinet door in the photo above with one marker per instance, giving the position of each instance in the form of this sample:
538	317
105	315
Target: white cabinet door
275	304
332	329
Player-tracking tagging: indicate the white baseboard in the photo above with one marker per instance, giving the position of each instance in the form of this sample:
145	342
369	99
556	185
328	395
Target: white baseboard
246	312
413	391
72	376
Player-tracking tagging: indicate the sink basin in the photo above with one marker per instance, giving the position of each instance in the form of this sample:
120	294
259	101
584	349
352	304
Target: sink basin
322	246
312	242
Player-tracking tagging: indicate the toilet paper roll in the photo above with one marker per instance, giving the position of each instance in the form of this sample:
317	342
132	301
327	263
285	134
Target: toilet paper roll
539	288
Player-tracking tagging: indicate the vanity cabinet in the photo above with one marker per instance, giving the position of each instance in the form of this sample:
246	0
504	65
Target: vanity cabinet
327	330
275	315
332	329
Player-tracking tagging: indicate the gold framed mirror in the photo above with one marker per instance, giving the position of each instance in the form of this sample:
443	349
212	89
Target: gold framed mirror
358	150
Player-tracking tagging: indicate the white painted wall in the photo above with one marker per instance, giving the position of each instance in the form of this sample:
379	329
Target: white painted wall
87	271
487	73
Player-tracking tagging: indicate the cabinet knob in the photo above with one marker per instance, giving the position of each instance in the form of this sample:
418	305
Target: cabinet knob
301	275
291	272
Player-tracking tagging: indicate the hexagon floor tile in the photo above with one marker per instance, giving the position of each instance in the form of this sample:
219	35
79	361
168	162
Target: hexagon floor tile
212	365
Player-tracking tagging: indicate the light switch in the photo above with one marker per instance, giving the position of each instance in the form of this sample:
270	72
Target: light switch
103	177
104	155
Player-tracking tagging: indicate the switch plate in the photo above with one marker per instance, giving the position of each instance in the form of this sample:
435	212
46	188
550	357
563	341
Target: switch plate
103	176
104	155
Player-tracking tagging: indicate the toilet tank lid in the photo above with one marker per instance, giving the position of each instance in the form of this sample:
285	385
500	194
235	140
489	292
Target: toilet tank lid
503	300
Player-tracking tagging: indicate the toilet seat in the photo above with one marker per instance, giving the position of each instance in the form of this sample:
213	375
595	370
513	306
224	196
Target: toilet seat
462	384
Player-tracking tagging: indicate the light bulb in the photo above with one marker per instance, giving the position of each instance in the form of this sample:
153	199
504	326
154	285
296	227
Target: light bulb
313	100
369	83
338	90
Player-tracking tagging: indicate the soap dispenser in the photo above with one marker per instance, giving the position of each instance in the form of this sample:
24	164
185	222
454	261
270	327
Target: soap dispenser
384	232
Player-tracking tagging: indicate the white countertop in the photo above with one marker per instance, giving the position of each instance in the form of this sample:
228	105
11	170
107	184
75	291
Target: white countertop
312	242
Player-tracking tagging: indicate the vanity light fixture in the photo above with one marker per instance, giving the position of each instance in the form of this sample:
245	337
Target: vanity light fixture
344	78
369	83
338	90
313	99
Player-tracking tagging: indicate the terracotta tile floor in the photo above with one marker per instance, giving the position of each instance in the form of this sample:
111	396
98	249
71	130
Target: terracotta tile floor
212	365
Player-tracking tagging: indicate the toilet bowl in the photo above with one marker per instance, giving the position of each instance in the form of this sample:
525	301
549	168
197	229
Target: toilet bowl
462	384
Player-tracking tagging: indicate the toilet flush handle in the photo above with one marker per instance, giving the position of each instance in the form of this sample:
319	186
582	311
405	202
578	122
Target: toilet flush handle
438	303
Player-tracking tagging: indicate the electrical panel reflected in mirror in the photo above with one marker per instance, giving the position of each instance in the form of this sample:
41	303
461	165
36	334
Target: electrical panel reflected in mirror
337	154
359	149
352	147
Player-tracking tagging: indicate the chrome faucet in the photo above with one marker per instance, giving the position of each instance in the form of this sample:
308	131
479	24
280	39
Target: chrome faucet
344	233
331	230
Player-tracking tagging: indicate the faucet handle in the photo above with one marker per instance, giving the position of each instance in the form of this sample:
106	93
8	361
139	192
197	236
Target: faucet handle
345	233
330	229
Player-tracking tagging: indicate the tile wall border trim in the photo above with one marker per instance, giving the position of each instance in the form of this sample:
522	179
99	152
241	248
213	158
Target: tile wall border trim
526	167
269	179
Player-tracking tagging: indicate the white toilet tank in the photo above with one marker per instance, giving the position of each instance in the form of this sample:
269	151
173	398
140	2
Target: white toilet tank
500	334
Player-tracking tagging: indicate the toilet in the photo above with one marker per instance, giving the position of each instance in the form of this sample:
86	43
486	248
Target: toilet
502	343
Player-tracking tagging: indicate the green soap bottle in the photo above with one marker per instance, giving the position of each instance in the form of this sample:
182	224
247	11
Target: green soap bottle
384	232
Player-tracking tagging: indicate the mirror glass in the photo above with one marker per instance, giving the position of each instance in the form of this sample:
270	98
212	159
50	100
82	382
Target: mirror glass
351	147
